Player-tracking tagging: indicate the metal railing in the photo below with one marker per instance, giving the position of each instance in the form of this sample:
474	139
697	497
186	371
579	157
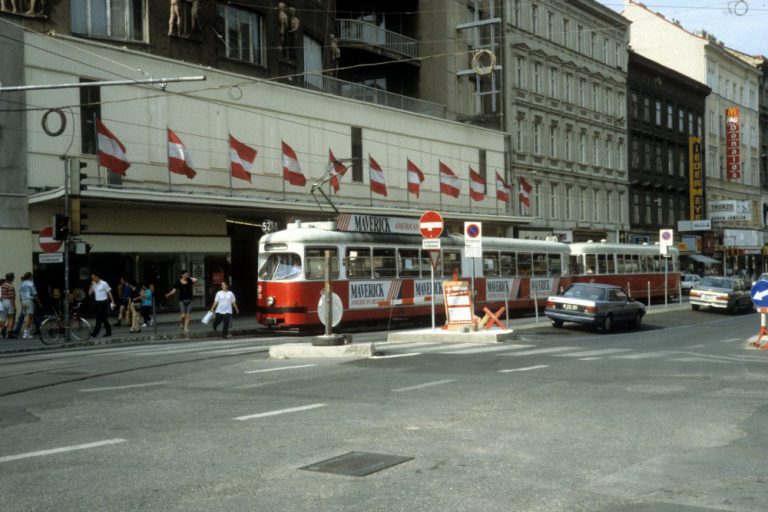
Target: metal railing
368	33
360	92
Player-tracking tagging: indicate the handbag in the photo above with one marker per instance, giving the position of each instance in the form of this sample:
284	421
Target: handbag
207	317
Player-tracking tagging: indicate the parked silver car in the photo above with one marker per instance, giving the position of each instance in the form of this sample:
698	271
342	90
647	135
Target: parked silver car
688	281
729	293
599	305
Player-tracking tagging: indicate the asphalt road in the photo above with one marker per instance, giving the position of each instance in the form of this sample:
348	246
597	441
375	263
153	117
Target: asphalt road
669	418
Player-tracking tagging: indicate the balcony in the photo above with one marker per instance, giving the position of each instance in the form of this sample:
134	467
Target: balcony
393	43
359	92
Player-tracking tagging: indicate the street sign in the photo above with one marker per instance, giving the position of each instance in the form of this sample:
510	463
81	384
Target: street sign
431	224
666	239
430	244
759	294
434	257
46	241
473	239
51	257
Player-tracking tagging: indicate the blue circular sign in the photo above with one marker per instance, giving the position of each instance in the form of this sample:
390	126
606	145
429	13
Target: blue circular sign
473	231
759	294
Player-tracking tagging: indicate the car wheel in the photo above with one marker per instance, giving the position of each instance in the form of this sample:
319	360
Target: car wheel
695	307
557	323
638	323
607	324
731	309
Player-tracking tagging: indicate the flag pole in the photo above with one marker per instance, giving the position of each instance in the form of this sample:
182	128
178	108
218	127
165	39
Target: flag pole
407	186
282	170
470	189
497	193
168	159
370	189
229	142
98	162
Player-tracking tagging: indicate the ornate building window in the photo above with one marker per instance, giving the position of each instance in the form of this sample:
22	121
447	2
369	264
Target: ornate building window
115	19
242	33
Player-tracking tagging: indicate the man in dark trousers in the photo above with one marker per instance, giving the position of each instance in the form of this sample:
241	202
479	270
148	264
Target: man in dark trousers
103	301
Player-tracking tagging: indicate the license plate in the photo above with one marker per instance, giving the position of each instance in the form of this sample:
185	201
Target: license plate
571	307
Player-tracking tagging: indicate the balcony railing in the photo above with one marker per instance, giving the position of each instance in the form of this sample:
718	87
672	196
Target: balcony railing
363	32
330	85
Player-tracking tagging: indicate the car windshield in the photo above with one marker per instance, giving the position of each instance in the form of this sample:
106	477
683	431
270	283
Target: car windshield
280	267
579	291
717	282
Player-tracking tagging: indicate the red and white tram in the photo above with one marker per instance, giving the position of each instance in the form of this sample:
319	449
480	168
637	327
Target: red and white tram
385	275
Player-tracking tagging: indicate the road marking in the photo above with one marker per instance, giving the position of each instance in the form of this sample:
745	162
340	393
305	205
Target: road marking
281	368
527	368
592	353
129	386
700	360
448	346
731	340
63	449
482	350
425	385
245	350
539	351
279	411
386	345
589	358
392	356
642	355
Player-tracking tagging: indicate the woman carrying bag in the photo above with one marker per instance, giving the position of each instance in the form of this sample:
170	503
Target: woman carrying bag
223	304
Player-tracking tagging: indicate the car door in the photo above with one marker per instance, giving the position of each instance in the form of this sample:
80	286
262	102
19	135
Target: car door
618	304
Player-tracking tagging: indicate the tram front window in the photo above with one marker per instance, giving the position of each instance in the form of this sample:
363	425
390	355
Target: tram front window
280	267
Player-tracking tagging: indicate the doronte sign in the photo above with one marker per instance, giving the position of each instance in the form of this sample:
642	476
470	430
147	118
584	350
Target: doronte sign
732	143
696	179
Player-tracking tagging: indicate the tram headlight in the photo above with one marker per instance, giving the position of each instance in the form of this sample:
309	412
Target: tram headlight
270	301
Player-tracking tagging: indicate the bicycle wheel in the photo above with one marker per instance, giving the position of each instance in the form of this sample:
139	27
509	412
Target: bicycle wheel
80	329
51	331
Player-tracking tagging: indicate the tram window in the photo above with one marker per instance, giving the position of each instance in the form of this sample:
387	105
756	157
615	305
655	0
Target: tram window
646	263
539	264
620	266
591	263
577	265
602	266
555	265
314	261
524	264
451	263
611	267
491	264
384	263
657	263
409	263
633	263
508	263
280	267
359	263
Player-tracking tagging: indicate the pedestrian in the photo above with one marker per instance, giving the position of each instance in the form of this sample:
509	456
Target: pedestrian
8	298
184	287
104	301
124	292
29	298
133	308
145	297
223	304
3	316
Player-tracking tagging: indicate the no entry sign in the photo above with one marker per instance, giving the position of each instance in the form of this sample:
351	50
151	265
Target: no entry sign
431	225
46	241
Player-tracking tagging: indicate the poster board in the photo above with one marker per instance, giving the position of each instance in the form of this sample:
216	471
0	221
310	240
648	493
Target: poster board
457	297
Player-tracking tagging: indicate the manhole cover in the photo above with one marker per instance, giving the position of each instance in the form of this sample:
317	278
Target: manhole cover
356	463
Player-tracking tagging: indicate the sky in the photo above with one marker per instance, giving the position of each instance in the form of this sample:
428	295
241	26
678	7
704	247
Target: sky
740	24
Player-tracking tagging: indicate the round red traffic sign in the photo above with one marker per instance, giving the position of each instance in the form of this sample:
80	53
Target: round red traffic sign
46	241
431	225
473	230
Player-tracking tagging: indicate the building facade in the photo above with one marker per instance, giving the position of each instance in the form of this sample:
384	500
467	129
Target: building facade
565	108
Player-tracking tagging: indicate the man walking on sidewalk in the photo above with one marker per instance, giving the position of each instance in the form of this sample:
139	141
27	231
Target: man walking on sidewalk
102	295
223	304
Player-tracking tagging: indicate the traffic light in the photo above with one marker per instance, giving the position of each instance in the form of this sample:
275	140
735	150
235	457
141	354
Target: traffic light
77	176
77	216
60	227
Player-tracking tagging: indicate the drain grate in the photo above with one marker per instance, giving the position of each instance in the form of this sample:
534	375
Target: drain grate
356	463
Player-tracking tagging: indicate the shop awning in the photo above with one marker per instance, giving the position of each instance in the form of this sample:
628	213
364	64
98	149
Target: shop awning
700	258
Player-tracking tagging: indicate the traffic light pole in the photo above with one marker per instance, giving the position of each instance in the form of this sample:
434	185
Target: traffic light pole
65	311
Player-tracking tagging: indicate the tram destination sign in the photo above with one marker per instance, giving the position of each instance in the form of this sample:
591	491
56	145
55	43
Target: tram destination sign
377	224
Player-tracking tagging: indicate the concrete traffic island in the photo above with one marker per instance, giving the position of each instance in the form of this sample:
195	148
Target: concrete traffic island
443	336
310	351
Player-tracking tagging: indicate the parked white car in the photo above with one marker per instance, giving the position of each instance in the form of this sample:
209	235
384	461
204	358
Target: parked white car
688	281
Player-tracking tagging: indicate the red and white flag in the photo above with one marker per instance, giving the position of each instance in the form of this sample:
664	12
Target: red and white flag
111	150
502	189
339	169
449	182
476	186
415	178
378	181
179	159
525	191
241	158
291	168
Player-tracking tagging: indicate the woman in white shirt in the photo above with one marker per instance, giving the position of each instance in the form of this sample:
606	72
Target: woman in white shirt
223	304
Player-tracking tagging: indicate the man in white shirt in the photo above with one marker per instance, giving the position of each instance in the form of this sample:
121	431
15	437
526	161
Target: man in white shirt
103	300
223	304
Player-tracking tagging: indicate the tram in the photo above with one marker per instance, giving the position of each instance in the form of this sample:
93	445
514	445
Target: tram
386	275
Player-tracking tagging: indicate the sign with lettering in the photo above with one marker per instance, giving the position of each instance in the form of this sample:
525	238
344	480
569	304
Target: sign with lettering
730	210
423	288
501	289
458	303
544	286
368	294
695	179
732	143
377	224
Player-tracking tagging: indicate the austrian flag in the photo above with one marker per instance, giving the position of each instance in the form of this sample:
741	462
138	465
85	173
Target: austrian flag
525	191
378	181
449	182
502	189
291	168
241	159
476	186
415	178
339	169
111	150
179	159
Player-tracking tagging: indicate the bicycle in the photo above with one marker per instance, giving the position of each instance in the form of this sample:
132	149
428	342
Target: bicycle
53	330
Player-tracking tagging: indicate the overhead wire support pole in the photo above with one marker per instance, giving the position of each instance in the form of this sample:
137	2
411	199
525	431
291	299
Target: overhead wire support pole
329	174
148	81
